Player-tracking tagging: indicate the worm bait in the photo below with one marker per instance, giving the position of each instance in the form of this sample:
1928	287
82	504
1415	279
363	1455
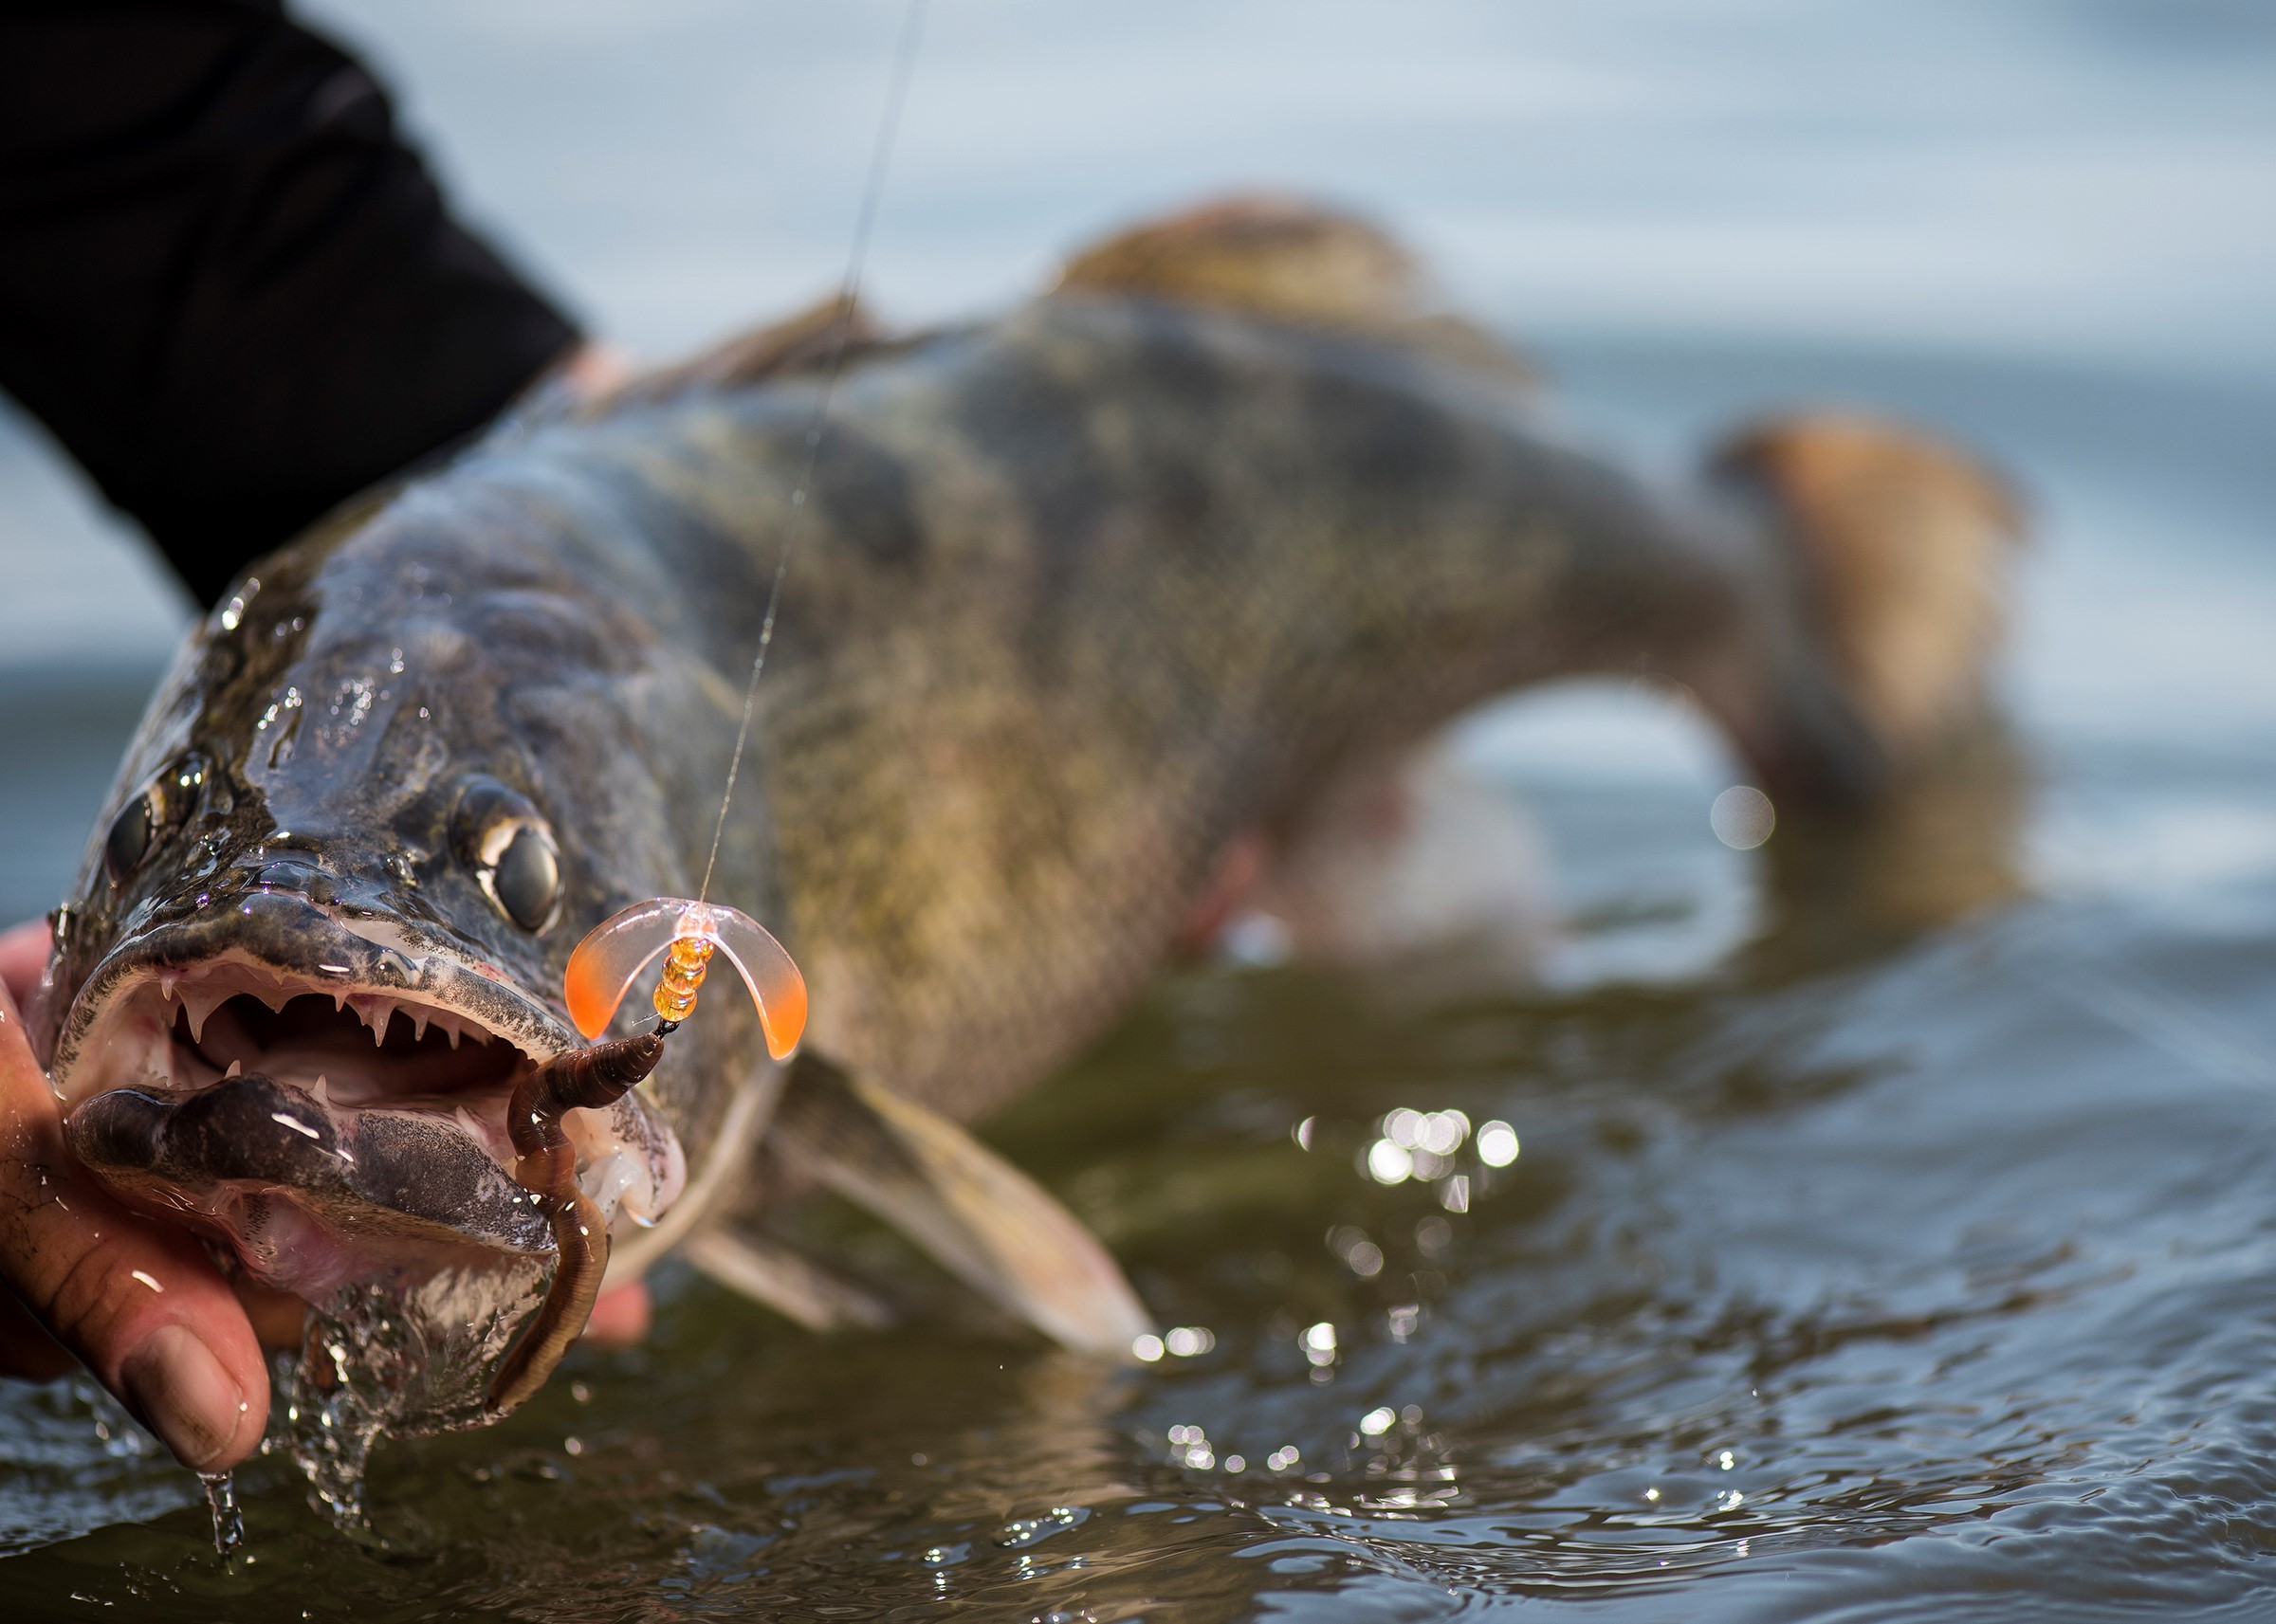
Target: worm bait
686	934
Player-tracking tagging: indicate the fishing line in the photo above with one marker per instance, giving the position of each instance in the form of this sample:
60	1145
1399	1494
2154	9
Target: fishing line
685	933
905	60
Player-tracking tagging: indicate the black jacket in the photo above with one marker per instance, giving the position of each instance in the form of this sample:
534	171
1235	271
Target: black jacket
227	285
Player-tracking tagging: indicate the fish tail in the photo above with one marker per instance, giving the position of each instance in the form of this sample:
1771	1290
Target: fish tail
1904	541
1889	546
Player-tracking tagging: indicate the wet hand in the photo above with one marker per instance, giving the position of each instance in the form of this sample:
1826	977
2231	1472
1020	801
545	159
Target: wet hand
136	1302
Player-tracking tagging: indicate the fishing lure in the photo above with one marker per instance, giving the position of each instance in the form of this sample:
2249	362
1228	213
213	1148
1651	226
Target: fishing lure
686	934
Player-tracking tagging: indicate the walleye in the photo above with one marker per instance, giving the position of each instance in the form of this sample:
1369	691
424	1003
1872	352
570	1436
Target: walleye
1091	597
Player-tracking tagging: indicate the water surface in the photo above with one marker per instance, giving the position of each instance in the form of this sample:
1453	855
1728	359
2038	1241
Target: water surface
1894	1230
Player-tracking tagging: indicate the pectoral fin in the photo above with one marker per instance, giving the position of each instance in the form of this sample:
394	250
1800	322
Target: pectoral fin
979	1216
776	1277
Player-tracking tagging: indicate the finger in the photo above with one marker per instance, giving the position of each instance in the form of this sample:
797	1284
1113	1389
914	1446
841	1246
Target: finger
621	1317
280	1319
22	958
596	368
137	1303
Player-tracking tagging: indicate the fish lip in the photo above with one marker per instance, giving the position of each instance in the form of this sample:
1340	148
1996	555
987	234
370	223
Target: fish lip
120	1033
337	953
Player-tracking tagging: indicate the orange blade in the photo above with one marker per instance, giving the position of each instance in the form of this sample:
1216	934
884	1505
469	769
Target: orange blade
601	969
768	971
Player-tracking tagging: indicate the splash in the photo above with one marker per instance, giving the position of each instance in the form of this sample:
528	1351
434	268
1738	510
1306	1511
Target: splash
383	1357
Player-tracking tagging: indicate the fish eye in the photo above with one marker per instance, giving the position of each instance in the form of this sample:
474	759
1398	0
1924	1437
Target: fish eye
502	840
162	803
129	838
528	881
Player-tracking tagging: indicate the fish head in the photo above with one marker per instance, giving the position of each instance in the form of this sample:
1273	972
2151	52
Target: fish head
319	930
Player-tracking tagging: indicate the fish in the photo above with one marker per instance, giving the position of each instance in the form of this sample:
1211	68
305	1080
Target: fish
1095	606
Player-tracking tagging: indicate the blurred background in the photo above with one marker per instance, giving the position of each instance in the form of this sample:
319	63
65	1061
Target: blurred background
2043	224
1842	1270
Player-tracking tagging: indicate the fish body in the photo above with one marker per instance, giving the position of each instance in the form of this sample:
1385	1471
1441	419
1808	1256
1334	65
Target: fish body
1078	600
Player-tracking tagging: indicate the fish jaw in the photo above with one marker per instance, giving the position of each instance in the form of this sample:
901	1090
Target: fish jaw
324	1092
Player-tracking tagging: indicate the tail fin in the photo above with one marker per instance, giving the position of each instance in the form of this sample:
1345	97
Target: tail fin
1906	540
1291	260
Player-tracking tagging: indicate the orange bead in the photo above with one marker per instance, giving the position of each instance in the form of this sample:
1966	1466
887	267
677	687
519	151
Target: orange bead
685	963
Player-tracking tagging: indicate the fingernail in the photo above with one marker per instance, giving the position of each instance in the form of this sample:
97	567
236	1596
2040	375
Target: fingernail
183	1394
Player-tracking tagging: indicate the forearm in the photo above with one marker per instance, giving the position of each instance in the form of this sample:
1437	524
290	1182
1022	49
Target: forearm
227	284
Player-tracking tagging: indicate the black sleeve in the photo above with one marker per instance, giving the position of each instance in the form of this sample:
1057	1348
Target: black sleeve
227	285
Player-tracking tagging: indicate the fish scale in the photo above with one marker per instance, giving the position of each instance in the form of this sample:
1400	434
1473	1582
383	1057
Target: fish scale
999	760
1085	597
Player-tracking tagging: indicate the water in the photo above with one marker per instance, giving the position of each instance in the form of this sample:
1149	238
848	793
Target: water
229	1517
1894	1230
379	1362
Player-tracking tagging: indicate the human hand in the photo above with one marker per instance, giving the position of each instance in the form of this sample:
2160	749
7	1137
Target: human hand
594	369
135	1299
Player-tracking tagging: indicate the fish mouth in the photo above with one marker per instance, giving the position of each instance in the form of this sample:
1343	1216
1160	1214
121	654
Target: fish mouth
325	1096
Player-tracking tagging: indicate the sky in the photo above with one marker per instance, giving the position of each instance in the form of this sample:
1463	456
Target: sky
2082	182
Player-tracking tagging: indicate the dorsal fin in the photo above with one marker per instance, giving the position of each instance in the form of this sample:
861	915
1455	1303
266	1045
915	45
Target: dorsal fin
802	342
773	1275
1293	260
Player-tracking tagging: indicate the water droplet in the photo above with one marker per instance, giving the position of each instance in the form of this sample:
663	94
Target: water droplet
1742	818
1032	1530
228	1521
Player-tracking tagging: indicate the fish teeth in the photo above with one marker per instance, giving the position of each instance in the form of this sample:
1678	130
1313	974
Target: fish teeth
377	1012
198	1004
235	1067
419	1018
